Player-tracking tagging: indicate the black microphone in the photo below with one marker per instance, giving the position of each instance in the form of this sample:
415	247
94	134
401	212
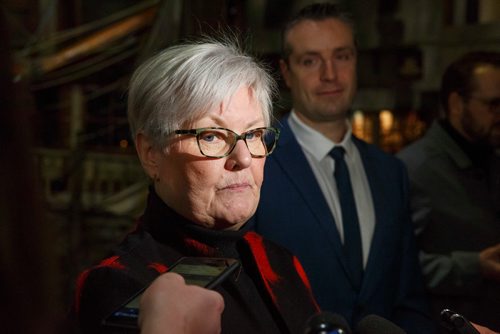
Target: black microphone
456	323
327	323
374	324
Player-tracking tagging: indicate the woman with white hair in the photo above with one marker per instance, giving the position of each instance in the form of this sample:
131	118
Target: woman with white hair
200	115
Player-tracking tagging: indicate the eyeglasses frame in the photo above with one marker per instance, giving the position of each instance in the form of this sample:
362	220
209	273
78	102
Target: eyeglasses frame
196	132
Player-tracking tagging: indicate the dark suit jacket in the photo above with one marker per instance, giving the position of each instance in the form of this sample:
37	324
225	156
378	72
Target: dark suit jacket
294	213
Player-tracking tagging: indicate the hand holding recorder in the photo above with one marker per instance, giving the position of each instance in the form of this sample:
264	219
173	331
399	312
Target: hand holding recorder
169	305
178	301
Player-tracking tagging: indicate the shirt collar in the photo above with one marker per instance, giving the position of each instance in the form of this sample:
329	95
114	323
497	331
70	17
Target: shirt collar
314	142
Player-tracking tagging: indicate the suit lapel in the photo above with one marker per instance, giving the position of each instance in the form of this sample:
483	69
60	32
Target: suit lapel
373	273
294	164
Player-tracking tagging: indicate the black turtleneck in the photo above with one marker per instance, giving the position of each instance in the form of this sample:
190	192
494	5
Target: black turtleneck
169	227
478	153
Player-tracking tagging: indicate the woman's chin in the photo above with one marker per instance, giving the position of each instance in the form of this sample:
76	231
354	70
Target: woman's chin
235	220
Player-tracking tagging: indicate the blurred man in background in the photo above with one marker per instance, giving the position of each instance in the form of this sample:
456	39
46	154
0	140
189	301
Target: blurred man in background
455	191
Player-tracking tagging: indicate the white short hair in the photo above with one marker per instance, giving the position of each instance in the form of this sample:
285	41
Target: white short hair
182	83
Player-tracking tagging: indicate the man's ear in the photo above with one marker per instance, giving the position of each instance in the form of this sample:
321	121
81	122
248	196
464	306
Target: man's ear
148	155
455	107
285	72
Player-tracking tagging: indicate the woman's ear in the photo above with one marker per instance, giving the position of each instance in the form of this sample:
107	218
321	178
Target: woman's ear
148	155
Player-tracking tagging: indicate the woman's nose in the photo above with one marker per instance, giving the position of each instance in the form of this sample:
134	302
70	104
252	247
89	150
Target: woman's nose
240	157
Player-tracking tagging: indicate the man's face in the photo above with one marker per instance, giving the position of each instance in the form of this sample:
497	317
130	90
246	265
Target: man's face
321	69
480	119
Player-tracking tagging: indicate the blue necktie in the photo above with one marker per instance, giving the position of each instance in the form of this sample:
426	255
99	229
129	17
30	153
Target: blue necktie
352	234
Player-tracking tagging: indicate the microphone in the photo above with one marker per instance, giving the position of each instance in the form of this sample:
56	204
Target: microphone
456	323
374	324
327	323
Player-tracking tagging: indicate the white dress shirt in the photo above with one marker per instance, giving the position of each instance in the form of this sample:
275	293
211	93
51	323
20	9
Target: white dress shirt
316	148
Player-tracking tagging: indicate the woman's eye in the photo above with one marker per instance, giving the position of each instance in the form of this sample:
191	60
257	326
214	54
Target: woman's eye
208	137
249	135
253	135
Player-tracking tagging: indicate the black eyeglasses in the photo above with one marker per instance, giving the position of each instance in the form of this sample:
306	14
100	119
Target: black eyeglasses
215	142
493	104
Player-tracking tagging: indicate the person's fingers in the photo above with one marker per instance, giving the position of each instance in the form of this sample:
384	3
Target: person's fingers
489	260
170	304
483	330
207	307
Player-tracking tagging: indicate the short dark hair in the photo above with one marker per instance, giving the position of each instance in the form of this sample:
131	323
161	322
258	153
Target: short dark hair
314	12
459	75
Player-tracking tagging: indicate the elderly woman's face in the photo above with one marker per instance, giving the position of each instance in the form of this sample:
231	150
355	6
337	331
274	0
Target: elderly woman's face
219	193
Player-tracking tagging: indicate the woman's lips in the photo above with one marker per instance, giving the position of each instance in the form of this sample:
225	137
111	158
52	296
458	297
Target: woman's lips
236	186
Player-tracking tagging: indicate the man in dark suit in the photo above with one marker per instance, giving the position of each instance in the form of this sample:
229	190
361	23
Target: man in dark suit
360	257
455	191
